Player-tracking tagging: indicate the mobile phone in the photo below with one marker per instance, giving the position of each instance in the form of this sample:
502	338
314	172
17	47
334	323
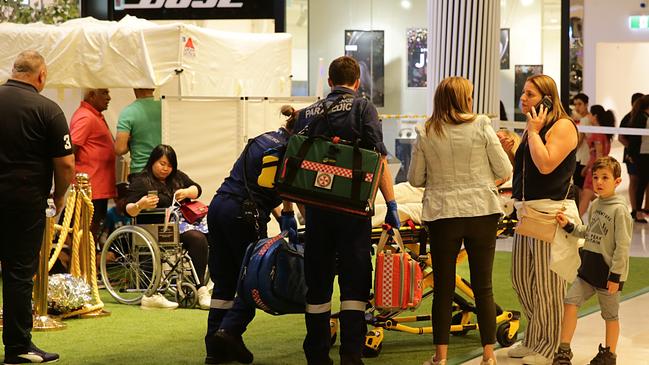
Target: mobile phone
152	193
546	102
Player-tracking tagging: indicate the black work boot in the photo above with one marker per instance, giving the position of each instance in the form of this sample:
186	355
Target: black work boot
216	354
234	345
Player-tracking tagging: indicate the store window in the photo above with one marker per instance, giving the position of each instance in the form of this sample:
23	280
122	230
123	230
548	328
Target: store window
297	24
530	44
384	36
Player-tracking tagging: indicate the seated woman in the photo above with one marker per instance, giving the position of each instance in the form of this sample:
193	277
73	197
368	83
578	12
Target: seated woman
161	174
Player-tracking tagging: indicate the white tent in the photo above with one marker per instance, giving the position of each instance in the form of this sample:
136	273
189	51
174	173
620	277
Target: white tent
137	53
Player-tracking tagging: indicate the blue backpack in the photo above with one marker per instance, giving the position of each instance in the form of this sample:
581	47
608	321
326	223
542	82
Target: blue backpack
272	276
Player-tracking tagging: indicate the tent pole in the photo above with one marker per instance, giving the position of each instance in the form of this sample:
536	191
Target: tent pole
178	72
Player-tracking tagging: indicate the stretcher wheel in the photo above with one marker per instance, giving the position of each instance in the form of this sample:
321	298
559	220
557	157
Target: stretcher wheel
502	335
187	295
373	343
372	352
457	320
333	330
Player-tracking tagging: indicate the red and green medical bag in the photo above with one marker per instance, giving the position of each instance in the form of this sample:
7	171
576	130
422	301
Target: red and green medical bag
329	173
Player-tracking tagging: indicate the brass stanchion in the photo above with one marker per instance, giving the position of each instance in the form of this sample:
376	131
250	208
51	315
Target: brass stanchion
43	322
83	261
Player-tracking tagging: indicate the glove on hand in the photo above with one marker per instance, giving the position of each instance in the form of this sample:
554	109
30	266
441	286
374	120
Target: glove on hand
287	222
392	215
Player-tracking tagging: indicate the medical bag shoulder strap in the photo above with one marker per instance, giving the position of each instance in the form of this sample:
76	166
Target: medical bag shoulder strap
357	156
294	162
245	184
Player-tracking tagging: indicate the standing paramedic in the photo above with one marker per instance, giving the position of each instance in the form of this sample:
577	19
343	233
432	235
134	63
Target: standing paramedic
34	144
341	241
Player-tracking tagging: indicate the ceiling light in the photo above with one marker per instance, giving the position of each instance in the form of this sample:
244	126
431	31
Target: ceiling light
406	4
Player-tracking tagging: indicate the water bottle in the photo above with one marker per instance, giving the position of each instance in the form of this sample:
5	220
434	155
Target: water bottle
51	208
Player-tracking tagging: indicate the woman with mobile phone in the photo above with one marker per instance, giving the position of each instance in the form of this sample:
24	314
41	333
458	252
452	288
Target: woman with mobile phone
543	168
159	183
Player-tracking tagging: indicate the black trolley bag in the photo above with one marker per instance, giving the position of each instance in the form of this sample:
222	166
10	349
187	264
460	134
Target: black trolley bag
330	173
272	276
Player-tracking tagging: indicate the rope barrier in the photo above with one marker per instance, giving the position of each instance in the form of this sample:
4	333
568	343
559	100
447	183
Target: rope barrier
84	261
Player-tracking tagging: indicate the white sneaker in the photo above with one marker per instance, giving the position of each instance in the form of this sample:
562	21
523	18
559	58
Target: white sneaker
536	359
204	297
433	362
157	301
519	351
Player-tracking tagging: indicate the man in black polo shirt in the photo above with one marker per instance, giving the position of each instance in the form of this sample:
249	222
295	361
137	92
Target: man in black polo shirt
34	144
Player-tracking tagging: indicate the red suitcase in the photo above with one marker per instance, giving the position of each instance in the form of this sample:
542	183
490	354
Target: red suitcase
397	280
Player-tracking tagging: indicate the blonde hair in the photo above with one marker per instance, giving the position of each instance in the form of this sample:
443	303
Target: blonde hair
451	104
546	86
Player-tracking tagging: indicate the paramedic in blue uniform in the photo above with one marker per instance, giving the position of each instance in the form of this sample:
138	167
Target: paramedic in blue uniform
331	234
230	235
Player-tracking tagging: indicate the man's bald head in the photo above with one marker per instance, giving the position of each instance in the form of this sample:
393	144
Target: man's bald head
30	67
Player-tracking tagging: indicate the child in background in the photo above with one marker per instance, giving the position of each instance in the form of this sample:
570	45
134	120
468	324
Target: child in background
115	217
604	262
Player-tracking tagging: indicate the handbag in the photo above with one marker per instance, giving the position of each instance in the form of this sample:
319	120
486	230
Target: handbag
272	276
193	211
535	223
398	278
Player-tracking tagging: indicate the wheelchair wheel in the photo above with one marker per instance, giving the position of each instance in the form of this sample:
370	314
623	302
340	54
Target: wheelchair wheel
130	264
187	295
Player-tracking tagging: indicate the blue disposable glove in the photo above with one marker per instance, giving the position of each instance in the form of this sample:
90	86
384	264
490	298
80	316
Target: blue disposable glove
287	222
392	215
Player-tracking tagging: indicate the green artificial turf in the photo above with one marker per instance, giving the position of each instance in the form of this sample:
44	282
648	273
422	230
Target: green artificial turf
134	336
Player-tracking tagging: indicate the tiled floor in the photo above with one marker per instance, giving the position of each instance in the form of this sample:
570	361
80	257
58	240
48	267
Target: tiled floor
633	347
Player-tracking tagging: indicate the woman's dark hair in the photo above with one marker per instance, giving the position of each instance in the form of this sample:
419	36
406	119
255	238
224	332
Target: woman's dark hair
605	118
157	153
638	117
291	114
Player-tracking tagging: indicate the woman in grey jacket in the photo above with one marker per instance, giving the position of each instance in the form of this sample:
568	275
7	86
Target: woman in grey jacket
458	158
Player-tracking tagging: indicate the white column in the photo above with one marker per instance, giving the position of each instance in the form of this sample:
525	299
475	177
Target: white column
463	41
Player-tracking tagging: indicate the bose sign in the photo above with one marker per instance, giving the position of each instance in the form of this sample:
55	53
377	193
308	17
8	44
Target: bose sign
195	9
183	4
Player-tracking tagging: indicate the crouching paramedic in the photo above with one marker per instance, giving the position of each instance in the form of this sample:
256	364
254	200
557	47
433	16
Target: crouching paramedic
233	225
331	235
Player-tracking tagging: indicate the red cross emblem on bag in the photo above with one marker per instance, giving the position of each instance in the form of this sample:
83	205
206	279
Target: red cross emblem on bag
324	180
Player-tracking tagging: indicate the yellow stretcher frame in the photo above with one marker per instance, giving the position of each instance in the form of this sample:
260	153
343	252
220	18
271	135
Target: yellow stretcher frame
508	322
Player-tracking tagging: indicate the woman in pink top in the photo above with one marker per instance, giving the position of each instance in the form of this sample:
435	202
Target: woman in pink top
600	146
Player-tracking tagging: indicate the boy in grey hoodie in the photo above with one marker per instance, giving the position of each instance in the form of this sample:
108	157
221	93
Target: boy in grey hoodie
604	261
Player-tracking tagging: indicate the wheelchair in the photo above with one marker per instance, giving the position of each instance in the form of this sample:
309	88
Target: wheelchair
147	258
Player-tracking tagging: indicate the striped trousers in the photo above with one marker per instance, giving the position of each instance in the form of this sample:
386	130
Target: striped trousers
541	293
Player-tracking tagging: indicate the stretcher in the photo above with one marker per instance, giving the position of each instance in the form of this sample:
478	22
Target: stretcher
463	318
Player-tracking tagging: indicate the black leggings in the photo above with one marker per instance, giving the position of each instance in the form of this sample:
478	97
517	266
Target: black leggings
479	237
195	242
642	164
